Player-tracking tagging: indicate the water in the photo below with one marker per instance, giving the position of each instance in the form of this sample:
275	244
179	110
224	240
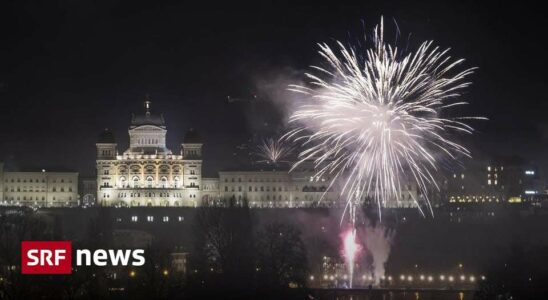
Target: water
380	294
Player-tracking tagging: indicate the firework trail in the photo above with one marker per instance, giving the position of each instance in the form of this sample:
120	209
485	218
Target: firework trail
273	151
373	120
350	248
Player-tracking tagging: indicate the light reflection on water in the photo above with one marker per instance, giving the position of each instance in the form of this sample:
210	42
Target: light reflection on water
394	295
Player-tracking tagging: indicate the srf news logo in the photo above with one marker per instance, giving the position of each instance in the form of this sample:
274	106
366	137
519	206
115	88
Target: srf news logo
55	257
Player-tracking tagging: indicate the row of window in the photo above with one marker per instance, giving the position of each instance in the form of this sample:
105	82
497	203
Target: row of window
25	198
150	194
255	180
35	180
106	152
148	171
38	190
193	152
165	219
143	141
279	189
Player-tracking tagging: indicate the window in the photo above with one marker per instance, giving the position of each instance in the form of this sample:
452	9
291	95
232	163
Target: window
181	218
176	181
150	218
134	218
165	219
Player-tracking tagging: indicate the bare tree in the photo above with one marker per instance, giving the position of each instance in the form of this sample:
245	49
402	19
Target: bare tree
282	255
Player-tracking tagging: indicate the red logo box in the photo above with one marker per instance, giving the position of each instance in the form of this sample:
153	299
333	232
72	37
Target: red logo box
46	257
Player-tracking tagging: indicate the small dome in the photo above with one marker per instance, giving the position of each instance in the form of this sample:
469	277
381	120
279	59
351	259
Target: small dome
192	137
106	137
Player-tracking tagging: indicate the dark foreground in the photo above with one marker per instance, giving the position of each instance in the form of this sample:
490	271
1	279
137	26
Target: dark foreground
391	294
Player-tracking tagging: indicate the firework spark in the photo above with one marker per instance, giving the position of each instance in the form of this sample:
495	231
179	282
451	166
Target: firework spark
350	248
374	118
274	151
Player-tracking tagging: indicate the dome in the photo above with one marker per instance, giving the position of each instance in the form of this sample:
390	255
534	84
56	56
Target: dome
192	137
148	118
106	137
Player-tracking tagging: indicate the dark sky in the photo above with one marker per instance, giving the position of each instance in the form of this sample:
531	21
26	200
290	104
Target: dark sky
68	69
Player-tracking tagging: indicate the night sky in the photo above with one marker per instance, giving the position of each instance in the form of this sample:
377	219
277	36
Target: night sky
69	69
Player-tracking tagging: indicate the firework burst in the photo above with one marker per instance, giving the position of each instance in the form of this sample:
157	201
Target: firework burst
274	151
374	118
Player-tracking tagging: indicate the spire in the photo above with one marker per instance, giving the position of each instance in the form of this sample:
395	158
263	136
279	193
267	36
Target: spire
147	104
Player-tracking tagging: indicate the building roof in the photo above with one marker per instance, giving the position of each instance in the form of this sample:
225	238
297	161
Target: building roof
106	136
148	118
192	137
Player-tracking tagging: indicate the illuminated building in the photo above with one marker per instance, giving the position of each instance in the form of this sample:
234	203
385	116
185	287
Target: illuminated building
148	173
41	188
502	180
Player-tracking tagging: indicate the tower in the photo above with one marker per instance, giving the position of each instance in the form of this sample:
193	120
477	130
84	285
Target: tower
106	145
191	149
106	157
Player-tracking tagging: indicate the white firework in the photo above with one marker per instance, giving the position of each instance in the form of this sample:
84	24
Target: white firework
373	118
273	151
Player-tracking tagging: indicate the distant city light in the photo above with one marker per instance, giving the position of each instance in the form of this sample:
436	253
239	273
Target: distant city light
529	172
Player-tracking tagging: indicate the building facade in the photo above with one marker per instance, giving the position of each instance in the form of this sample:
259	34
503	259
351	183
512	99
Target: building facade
299	188
39	189
88	191
148	173
501	180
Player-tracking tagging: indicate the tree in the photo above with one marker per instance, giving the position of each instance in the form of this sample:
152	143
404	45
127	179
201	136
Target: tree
224	246
16	227
281	256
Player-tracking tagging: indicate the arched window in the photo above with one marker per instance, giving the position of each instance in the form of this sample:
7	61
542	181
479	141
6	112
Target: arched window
122	181
164	182
176	181
150	181
135	182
